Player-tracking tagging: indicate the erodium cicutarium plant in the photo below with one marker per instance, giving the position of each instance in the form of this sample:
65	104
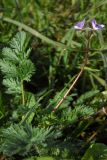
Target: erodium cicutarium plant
88	30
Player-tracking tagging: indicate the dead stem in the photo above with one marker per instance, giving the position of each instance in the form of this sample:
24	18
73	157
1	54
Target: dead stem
76	79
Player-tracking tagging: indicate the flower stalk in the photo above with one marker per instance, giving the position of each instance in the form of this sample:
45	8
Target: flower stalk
78	75
88	32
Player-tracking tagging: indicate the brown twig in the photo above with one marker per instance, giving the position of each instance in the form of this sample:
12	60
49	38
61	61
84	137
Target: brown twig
70	88
76	79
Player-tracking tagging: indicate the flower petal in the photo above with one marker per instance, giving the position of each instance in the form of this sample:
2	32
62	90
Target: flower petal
93	23
99	26
96	26
80	25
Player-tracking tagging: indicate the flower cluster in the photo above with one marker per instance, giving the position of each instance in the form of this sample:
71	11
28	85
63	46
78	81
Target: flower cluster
95	26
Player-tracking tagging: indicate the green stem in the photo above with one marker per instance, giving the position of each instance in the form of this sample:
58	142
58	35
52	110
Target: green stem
33	32
23	94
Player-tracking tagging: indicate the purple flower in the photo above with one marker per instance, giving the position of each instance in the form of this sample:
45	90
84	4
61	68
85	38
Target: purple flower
96	26
80	25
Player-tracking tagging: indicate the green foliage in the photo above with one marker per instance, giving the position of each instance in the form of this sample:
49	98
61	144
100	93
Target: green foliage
29	129
40	158
15	64
18	139
72	115
45	158
84	97
96	151
13	86
2	110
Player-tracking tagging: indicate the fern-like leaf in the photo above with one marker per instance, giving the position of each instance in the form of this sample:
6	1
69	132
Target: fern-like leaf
8	69
20	139
18	42
25	70
13	85
15	64
9	55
